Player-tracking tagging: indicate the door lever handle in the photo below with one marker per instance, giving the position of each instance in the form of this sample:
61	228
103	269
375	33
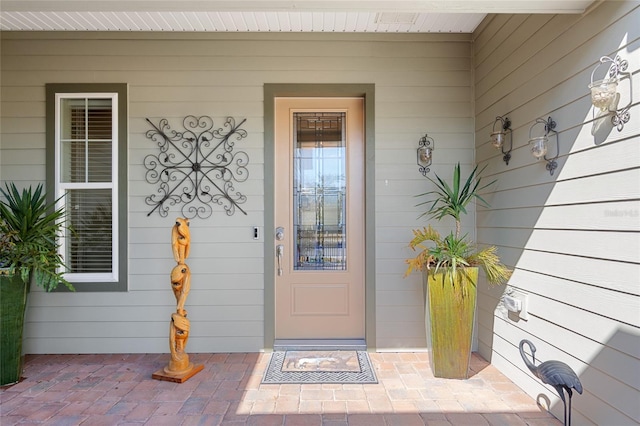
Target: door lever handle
279	254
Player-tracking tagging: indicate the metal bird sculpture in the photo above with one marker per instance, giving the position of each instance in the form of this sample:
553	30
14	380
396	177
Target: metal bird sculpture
554	373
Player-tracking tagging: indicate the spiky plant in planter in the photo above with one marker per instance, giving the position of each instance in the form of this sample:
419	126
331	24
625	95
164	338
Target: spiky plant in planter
450	268
29	229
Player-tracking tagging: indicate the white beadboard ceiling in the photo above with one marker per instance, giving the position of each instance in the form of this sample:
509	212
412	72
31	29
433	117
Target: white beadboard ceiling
266	15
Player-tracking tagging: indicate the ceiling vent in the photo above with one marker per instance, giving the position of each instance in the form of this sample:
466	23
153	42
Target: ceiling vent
396	18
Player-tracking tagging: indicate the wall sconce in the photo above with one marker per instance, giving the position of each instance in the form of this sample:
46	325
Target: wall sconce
539	144
426	145
604	94
499	138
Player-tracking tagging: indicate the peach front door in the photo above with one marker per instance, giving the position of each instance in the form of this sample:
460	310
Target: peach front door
319	194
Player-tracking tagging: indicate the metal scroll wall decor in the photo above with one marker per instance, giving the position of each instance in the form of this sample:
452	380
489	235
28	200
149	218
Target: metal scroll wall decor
197	167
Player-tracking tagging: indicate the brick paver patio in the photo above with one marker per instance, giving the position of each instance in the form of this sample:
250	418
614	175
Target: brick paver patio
118	389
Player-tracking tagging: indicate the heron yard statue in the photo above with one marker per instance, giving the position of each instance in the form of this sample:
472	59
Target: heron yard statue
554	373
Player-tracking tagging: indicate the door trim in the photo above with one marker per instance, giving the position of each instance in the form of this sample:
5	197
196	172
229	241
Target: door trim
320	345
271	91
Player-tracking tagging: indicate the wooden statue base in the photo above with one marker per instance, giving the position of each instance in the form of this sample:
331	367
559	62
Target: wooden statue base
177	378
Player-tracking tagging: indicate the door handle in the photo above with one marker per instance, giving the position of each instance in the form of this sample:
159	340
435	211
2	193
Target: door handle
279	254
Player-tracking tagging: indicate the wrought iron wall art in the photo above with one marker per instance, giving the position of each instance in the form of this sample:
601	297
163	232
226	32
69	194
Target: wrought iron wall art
197	167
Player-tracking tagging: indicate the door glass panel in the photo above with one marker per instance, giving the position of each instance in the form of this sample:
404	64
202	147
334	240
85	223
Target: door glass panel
319	191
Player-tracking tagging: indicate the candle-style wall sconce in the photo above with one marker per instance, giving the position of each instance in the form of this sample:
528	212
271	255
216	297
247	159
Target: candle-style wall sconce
426	145
500	137
540	144
604	93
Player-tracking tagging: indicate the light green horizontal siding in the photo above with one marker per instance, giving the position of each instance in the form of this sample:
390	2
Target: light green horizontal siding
422	85
573	238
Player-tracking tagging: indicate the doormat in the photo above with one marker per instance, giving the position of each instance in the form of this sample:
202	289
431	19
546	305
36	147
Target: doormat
319	367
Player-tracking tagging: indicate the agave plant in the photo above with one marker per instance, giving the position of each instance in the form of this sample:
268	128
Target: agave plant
453	252
29	230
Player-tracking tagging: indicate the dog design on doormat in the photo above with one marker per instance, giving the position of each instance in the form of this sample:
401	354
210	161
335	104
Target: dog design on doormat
318	363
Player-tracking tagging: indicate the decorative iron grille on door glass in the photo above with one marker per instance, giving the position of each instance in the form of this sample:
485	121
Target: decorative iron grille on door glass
319	190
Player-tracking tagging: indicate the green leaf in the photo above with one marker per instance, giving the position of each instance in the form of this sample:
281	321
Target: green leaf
29	233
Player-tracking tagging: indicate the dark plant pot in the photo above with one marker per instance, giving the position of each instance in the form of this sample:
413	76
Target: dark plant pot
451	310
13	302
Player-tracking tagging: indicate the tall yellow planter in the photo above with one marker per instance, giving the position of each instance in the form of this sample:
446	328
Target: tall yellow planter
451	311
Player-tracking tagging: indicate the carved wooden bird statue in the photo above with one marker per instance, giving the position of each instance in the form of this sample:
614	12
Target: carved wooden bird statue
180	240
554	373
181	285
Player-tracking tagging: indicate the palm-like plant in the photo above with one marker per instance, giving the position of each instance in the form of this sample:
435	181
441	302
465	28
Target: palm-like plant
452	200
454	253
29	229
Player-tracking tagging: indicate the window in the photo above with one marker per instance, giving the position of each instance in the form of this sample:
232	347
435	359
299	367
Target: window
86	164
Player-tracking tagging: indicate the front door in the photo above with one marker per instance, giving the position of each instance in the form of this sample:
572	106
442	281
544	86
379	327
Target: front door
319	198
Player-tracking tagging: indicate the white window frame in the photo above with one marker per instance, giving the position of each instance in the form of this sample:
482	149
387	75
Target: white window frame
62	187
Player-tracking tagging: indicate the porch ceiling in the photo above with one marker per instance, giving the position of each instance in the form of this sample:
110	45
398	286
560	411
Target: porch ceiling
460	16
